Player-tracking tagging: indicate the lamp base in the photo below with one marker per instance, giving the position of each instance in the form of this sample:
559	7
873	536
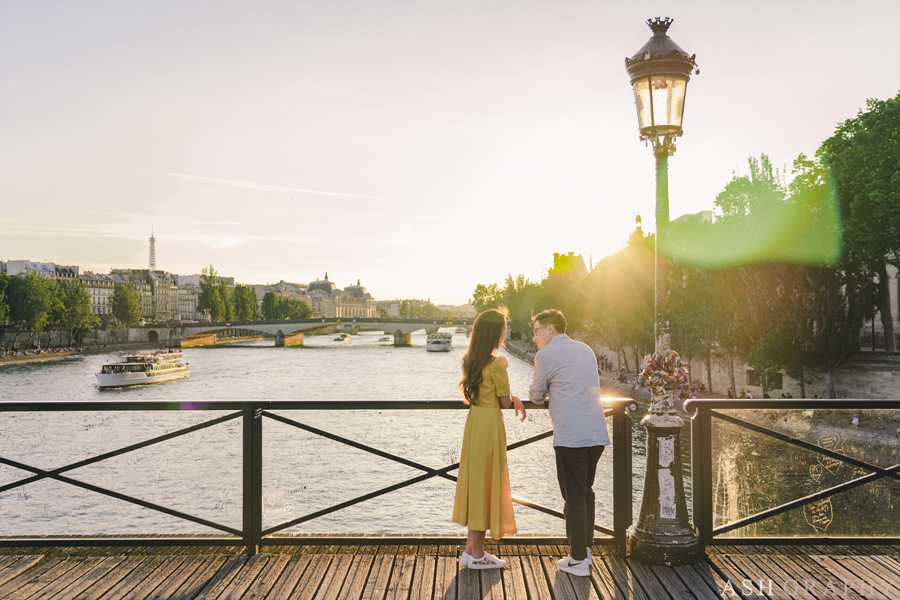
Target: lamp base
663	548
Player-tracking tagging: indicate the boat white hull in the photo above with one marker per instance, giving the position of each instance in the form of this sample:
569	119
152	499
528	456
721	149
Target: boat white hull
114	380
437	347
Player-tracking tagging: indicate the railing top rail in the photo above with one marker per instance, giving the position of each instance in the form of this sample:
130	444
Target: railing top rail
693	405
446	404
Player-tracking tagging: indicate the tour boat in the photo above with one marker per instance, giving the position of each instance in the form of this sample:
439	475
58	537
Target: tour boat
438	342
462	330
342	338
385	338
141	368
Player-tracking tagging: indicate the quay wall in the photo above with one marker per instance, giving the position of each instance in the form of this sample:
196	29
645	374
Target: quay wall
867	375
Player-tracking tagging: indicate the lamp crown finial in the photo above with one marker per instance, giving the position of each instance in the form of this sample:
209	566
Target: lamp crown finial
660	26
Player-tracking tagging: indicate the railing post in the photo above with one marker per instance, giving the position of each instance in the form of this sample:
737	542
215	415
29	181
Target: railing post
701	473
252	478
622	472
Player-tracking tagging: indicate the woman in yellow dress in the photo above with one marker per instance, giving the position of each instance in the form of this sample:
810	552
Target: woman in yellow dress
483	497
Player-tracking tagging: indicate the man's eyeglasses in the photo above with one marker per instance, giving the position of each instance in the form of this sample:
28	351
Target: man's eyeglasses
536	329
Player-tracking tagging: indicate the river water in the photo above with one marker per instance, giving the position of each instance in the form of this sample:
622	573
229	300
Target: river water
200	474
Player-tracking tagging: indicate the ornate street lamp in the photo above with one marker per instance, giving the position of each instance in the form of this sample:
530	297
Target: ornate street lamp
659	74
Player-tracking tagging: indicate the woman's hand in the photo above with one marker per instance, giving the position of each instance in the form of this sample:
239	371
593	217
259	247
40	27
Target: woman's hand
519	407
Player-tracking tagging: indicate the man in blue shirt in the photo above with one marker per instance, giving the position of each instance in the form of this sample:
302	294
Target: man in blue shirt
565	374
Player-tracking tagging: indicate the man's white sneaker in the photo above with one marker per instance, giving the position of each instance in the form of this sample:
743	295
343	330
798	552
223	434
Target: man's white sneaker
582	568
488	561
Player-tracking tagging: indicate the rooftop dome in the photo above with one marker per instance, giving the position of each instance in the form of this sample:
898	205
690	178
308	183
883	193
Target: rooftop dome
323	285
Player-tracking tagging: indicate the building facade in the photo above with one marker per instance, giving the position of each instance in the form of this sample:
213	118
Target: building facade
187	302
354	301
100	288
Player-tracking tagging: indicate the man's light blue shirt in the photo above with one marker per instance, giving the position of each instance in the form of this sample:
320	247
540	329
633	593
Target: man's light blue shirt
565	373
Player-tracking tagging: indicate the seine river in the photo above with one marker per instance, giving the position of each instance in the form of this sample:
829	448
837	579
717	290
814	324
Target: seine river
200	474
303	472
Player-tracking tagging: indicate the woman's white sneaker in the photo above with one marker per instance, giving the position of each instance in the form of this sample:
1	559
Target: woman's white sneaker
581	568
465	558
488	561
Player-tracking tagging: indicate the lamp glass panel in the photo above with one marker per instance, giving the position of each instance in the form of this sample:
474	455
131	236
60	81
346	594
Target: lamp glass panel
668	99
642	102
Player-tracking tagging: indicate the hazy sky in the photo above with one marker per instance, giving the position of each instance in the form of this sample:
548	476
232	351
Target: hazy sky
421	147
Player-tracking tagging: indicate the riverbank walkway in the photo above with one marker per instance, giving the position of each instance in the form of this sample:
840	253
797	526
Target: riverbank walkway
384	571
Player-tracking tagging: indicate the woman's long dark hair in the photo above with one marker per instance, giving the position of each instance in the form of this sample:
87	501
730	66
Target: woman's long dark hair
485	339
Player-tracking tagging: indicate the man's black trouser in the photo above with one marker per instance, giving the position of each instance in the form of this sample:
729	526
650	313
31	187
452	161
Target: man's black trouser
575	469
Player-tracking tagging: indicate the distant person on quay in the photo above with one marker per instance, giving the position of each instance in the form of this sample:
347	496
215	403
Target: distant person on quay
483	496
565	375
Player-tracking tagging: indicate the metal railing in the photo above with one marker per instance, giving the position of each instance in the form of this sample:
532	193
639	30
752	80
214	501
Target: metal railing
702	430
252	413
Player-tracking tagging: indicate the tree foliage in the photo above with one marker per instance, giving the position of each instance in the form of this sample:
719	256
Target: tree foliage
276	307
783	280
32	302
246	307
77	315
210	297
126	304
864	157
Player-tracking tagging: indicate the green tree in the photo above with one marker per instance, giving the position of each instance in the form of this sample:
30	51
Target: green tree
246	307
32	301
78	315
864	158
125	302
210	298
521	296
745	194
294	308
4	302
621	297
270	306
692	314
227	300
485	297
277	307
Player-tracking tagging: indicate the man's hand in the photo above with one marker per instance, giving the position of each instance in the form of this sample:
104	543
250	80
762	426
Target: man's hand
519	406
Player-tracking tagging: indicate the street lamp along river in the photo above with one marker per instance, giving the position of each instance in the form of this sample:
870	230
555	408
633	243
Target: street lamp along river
659	74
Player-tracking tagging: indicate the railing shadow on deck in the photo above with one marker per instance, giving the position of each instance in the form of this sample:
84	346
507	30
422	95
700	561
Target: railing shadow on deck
252	534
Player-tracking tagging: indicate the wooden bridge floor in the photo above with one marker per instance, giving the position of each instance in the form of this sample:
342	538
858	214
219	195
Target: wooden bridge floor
390	572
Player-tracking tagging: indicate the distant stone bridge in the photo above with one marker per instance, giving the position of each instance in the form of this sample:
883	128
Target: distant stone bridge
290	332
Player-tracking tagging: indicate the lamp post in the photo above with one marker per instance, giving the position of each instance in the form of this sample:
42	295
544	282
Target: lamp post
659	74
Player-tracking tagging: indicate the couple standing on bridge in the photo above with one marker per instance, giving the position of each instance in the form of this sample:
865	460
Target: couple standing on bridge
565	374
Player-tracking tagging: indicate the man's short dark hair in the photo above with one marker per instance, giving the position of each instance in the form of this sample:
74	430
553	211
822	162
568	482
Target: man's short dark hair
551	316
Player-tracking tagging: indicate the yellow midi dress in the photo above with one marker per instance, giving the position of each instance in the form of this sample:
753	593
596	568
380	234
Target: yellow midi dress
483	497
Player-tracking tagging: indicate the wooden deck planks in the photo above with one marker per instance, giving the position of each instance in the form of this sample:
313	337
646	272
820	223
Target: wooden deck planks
358	573
220	581
423	577
82	581
387	572
445	578
624	579
380	575
290	577
13	566
110	579
52	580
731	575
701	587
535	581
512	576
207	570
401	577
